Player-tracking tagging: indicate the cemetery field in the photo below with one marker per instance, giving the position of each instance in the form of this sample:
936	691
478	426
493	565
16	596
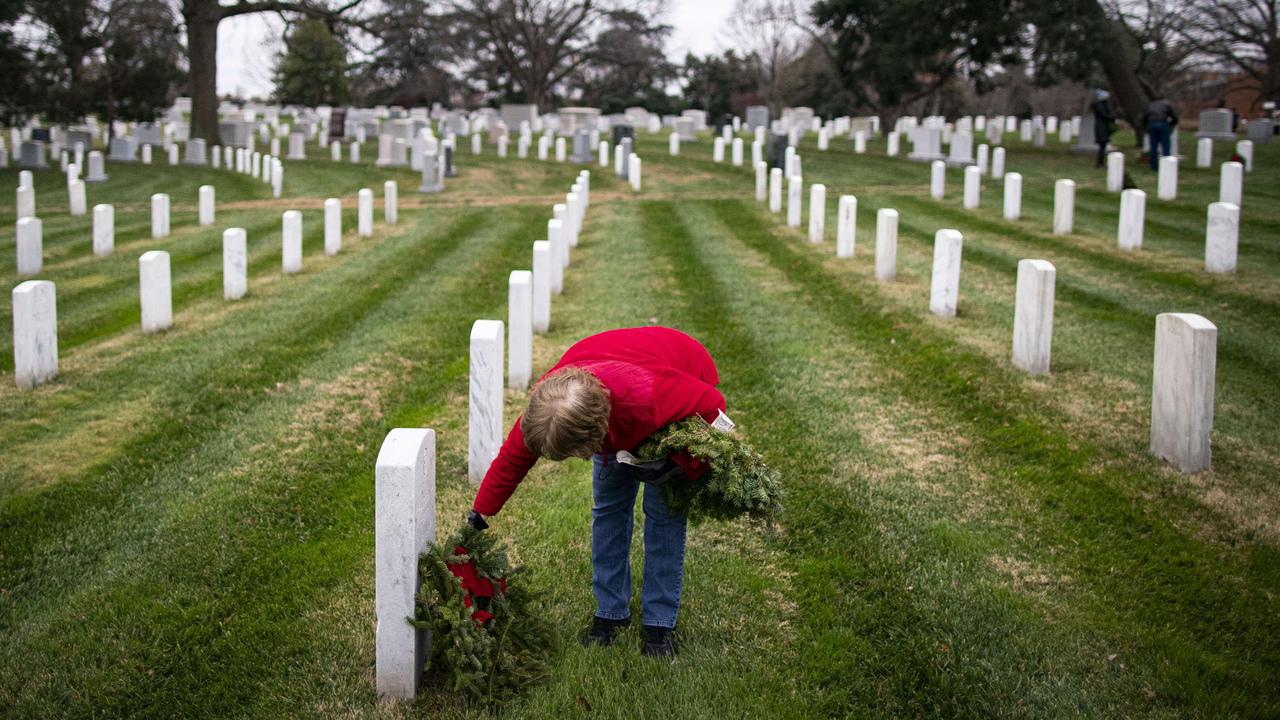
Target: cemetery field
186	518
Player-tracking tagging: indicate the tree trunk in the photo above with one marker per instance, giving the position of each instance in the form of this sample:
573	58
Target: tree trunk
1121	76
202	17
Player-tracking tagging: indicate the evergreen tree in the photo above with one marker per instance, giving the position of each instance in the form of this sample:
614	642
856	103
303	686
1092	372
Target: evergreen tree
312	70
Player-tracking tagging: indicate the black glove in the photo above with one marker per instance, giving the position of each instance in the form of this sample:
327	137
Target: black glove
476	520
654	473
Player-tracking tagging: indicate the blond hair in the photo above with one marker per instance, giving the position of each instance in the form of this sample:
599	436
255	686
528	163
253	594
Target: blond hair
568	415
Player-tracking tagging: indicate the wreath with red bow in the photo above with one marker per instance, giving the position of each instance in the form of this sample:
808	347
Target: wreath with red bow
489	636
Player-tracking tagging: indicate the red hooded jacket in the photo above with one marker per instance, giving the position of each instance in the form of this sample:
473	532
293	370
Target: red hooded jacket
654	376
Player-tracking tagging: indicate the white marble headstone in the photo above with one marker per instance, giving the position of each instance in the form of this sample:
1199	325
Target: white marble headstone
1033	316
846	226
364	213
886	244
817	212
972	187
1133	208
543	266
937	179
1115	171
404	525
29	243
795	200
291	242
235	263
75	198
633	172
944	291
519	329
332	226
1182	392
484	426
206	214
155	291
1064	206
1231	183
390	202
26	201
1167	179
1013	196
159	216
1222	238
35	333
104	230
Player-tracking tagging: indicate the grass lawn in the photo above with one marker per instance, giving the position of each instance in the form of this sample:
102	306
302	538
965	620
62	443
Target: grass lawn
186	519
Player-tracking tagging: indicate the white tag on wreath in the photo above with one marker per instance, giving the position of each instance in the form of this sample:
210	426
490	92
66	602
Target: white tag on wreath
723	423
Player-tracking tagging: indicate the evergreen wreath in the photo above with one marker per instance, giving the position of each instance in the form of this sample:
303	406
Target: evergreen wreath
738	482
489	639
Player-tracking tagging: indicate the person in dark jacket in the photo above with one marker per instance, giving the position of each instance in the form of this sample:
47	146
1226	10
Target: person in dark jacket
1103	121
1161	120
601	400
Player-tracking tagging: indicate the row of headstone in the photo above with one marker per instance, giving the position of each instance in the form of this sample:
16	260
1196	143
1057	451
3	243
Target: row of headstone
530	295
404	503
1182	395
35	319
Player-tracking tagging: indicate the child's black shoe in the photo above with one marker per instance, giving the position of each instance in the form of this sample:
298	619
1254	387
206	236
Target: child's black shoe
659	642
603	631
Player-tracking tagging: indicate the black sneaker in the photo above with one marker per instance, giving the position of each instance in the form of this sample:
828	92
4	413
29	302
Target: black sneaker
659	642
603	631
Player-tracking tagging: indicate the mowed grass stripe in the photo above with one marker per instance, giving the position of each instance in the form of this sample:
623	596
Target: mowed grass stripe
1102	366
1244	346
1190	609
898	616
253	573
111	371
1148	269
201	393
735	605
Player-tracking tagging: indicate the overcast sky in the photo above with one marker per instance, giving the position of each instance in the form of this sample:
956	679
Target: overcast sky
247	44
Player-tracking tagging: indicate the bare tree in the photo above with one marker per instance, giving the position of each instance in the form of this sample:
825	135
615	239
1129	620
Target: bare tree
771	31
202	18
1238	33
530	47
1155	28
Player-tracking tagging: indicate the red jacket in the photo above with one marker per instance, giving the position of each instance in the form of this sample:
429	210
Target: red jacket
654	376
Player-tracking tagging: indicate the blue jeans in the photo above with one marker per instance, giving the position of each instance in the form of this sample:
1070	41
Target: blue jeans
1158	142
612	510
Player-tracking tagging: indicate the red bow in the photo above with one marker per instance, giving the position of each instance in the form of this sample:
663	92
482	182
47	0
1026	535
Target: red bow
473	585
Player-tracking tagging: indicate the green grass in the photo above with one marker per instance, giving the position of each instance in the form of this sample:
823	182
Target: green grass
186	518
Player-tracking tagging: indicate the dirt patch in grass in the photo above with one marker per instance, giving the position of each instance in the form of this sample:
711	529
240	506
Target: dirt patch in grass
343	405
60	456
1028	578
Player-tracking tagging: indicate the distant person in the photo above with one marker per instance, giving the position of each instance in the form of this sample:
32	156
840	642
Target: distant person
606	395
1103	121
1161	120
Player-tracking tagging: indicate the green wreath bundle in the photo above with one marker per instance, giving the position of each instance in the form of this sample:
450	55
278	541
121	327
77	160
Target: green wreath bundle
489	637
738	482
